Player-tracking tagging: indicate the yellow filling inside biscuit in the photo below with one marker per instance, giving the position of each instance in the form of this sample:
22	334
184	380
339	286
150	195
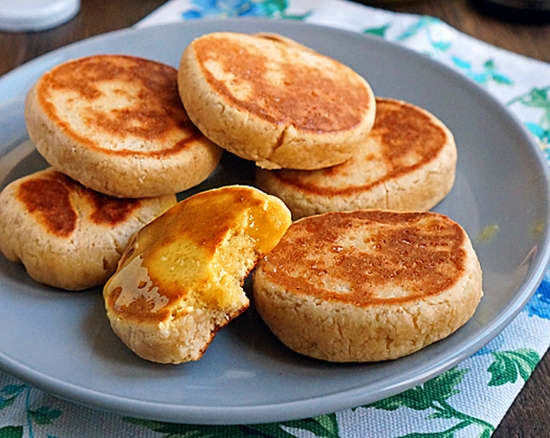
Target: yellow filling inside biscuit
205	279
197	254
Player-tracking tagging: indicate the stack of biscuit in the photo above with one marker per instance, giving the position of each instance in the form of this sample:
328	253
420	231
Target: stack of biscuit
366	272
121	146
321	140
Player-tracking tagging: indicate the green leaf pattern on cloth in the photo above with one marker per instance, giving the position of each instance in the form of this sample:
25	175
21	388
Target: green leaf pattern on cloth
538	101
508	366
433	397
466	401
18	397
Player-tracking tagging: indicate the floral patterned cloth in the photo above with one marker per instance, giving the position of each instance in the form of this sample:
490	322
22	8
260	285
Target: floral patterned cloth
466	401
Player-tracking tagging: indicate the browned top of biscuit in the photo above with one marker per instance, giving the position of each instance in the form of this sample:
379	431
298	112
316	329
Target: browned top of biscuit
118	104
283	82
56	201
403	139
369	257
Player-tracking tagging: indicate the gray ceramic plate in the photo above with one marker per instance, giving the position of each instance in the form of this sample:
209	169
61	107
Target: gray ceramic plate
61	342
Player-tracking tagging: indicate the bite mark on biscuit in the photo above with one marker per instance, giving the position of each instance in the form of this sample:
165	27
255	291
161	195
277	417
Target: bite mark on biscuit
181	278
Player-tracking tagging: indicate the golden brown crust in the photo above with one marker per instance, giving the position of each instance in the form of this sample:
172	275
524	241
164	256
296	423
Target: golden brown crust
368	285
273	101
66	235
116	124
408	163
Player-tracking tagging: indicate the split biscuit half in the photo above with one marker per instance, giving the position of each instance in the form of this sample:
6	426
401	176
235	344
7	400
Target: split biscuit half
180	280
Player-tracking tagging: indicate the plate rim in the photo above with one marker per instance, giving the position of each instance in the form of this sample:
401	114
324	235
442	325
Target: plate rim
278	411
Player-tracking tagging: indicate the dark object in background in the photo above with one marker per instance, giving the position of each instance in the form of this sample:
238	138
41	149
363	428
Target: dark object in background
518	11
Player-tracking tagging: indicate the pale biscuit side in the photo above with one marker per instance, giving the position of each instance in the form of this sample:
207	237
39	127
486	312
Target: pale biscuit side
65	245
339	332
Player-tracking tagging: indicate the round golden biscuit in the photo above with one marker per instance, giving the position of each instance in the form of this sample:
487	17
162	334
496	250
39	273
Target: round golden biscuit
368	285
407	163
66	235
116	124
270	100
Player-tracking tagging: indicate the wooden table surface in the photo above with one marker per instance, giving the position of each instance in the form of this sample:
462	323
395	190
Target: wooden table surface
529	416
